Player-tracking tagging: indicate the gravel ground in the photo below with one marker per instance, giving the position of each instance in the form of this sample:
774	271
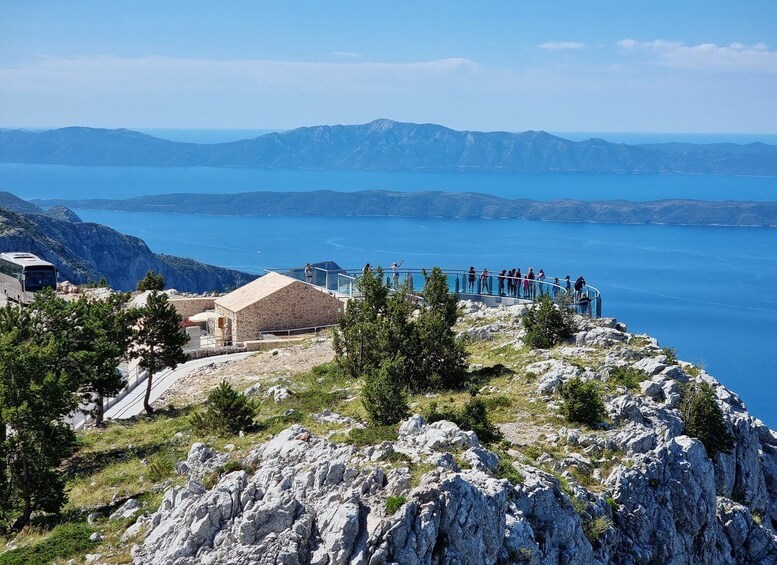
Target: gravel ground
265	366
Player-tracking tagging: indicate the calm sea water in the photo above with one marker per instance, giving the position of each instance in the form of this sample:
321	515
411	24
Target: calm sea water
709	292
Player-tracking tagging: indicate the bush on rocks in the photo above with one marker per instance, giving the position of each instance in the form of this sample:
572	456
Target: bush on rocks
703	419
582	402
546	324
472	417
228	412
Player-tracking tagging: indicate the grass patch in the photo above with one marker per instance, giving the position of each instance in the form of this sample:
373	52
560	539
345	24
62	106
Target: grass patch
371	435
394	503
417	472
596	528
505	470
628	377
66	540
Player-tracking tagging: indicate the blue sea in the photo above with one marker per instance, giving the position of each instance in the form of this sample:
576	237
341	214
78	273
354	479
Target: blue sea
709	292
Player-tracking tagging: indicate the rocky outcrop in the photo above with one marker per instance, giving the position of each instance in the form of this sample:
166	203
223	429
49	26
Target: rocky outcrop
663	499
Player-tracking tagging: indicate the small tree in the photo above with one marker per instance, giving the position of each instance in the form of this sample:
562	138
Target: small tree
158	339
546	324
582	402
441	361
228	412
360	337
152	281
385	394
703	419
106	327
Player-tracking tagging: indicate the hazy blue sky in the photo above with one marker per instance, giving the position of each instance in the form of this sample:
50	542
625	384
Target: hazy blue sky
625	65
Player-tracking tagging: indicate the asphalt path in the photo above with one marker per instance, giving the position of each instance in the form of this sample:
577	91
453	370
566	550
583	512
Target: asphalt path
132	404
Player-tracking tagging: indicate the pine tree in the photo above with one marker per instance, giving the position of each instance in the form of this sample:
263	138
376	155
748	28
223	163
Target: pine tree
37	390
441	361
158	339
106	327
385	395
703	419
228	413
152	281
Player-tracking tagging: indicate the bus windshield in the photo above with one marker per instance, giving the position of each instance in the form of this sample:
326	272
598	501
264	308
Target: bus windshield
38	278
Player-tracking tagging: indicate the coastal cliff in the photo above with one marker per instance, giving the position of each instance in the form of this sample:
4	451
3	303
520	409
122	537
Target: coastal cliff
636	490
85	252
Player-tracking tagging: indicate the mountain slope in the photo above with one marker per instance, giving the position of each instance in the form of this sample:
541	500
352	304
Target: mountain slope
85	252
387	145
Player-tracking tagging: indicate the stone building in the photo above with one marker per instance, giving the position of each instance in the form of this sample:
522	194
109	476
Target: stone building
275	302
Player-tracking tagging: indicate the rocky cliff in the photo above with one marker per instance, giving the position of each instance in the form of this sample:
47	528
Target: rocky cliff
85	252
636	490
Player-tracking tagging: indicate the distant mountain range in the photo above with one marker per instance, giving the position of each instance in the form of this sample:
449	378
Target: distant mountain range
84	252
442	205
388	145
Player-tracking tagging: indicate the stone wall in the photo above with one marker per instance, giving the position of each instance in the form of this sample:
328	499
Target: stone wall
187	307
297	305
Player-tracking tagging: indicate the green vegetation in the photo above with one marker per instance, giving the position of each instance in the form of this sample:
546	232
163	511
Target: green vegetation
582	402
505	470
152	281
596	528
65	541
473	416
228	412
385	394
394	503
671	355
382	327
703	419
546	324
628	376
371	435
158	339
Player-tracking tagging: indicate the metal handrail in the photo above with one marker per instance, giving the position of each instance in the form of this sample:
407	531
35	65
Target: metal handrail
345	282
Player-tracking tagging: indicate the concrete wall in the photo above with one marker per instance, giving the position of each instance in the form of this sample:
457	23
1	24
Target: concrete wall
297	305
190	306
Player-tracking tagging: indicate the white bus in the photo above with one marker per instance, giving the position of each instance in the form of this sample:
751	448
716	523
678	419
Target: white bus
23	274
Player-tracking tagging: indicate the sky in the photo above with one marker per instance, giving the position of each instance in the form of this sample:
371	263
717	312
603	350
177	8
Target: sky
702	66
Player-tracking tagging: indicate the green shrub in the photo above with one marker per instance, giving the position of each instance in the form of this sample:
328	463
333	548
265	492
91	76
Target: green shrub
385	394
473	416
228	412
160	468
596	528
505	470
671	355
582	402
394	503
546	324
66	540
628	376
703	419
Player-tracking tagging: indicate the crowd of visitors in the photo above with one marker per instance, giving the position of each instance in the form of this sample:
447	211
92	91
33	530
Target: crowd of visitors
511	283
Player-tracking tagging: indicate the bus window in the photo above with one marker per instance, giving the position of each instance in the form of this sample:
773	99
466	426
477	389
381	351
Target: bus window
38	278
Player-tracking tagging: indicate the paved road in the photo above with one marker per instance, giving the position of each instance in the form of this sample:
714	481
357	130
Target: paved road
132	404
